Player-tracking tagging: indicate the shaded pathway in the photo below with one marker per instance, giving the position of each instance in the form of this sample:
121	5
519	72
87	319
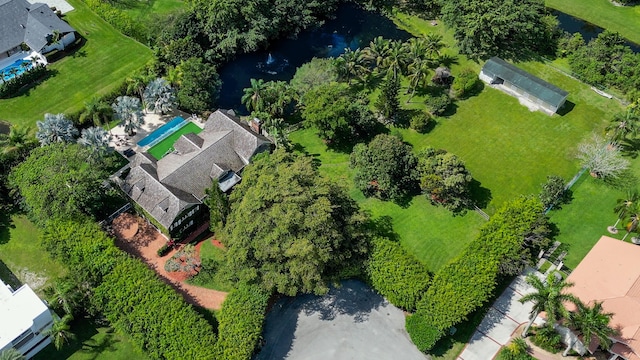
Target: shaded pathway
135	236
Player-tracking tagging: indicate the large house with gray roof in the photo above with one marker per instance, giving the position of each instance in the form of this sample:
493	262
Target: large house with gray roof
171	190
532	91
33	25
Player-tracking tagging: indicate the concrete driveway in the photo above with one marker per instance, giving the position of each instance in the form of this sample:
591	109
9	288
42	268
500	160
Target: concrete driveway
350	322
503	318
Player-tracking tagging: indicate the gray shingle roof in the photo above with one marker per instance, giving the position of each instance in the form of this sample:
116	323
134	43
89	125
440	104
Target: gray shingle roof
166	187
549	93
32	24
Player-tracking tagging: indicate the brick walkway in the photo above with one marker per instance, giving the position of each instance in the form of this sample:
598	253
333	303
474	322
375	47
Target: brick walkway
135	236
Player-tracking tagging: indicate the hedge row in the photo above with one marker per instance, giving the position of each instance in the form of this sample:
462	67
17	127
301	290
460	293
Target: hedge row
240	322
467	282
130	295
396	274
118	19
11	87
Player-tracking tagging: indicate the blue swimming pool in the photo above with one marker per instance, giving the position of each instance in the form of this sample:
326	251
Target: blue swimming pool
7	73
162	132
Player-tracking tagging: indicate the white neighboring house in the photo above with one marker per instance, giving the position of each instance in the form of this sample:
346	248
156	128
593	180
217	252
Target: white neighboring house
33	25
23	319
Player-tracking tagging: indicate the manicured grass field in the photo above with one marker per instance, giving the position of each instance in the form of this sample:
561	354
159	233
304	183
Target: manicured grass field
210	252
104	61
622	19
163	147
150	9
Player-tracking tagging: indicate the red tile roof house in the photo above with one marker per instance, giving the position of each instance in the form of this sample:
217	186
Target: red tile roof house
610	273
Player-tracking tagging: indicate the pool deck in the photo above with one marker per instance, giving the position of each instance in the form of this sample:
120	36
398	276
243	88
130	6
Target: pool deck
122	142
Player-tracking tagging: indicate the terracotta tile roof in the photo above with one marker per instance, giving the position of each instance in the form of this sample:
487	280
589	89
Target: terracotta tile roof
610	273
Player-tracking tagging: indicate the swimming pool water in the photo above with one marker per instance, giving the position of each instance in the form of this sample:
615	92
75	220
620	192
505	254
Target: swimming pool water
6	71
162	132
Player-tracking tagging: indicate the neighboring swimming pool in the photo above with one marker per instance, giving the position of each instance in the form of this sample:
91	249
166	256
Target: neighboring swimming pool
162	132
162	148
7	74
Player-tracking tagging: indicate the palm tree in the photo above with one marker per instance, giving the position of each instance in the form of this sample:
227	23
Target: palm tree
18	140
159	95
377	51
395	62
592	323
623	125
13	72
128	110
55	128
97	111
351	64
278	95
433	44
60	331
11	354
634	221
97	140
418	72
517	349
623	206
549	297
136	84
253	96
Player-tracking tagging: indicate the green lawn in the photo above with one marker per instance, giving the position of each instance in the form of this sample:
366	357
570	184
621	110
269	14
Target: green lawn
160	149
146	10
622	19
104	61
210	281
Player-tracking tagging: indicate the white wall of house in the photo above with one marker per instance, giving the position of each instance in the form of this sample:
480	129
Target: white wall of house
24	320
60	45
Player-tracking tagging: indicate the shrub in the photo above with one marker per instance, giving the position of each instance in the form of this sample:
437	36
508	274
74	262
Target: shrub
118	19
465	83
11	87
548	339
421	122
437	105
396	274
240	322
164	250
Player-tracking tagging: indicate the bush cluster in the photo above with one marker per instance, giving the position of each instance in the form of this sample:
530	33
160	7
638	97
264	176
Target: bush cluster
467	282
129	294
11	87
240	322
118	19
465	83
396	274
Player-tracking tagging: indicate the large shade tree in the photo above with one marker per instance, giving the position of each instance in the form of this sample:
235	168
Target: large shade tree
485	28
602	158
444	179
55	128
56	181
385	168
198	85
289	228
128	110
548	296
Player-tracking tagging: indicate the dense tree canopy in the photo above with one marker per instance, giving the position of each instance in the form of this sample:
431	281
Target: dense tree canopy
289	228
385	168
340	116
198	85
485	28
56	181
444	178
315	72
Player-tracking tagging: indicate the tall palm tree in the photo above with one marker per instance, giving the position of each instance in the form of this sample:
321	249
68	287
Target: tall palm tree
592	323
60	331
128	110
376	52
55	128
433	44
253	97
396	59
97	111
351	65
549	296
97	140
623	125
137	83
11	354
418	73
18	140
634	221
159	95
278	95
624	205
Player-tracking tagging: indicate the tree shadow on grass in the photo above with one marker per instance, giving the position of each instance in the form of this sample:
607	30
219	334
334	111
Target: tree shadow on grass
625	180
6	224
8	277
481	196
566	108
84	330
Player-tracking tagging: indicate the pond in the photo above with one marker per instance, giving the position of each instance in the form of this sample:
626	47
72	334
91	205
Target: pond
588	30
352	27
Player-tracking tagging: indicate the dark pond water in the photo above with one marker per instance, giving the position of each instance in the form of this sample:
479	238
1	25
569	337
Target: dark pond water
351	28
589	31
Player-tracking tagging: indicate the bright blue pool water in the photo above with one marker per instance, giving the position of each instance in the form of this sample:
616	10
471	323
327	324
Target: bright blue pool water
6	71
162	132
